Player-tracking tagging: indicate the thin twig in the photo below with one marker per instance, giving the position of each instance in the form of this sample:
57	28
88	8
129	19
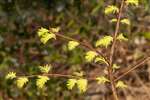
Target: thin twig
90	47
110	73
57	75
133	68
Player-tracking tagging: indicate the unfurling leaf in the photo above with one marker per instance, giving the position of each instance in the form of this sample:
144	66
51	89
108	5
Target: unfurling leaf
115	66
71	83
105	41
90	55
21	81
42	31
132	2
45	35
40	82
125	21
100	59
102	80
121	37
72	45
45	69
11	75
121	84
111	9
54	30
113	20
82	85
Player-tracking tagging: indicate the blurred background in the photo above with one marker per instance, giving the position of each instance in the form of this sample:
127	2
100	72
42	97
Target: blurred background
21	50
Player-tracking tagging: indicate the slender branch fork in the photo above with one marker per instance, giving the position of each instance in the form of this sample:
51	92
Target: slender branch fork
110	73
90	47
133	68
90	78
110	61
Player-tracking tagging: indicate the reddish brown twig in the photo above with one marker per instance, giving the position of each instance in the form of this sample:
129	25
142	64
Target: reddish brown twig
110	73
57	75
88	46
133	68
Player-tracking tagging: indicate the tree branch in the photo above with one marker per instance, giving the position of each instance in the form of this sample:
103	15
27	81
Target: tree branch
90	47
132	68
110	73
57	75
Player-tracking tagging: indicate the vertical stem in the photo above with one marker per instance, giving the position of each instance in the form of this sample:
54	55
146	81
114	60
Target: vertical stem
112	52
